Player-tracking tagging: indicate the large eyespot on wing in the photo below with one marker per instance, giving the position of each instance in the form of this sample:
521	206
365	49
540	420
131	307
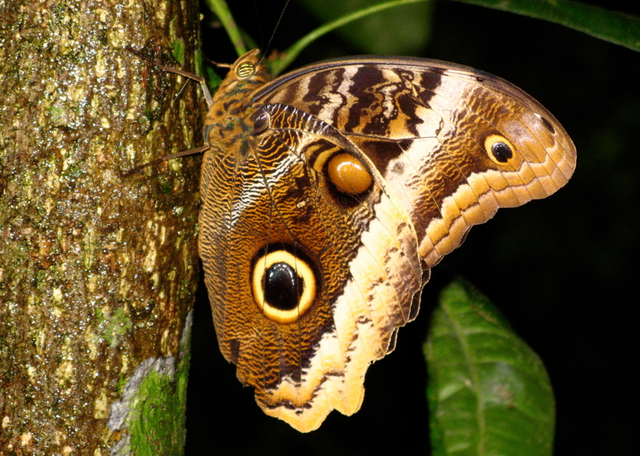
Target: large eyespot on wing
283	284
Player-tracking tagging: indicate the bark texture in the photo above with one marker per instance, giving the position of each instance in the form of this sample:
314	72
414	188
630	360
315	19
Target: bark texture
97	272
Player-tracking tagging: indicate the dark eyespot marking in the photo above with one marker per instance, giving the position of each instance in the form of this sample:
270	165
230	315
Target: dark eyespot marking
283	285
499	149
546	123
502	152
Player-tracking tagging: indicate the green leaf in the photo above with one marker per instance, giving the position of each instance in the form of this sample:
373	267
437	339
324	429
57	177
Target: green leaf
489	393
404	30
401	30
220	8
613	26
389	24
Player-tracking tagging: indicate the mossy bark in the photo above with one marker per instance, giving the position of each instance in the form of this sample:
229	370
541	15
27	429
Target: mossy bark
97	272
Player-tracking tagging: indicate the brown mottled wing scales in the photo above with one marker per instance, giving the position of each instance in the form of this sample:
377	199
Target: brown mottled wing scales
365	276
330	192
423	124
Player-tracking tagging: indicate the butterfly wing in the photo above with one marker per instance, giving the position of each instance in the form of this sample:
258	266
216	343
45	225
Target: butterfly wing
328	200
453	143
279	229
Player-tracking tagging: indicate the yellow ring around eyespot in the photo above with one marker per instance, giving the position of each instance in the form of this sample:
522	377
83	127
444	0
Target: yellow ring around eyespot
303	271
348	174
493	139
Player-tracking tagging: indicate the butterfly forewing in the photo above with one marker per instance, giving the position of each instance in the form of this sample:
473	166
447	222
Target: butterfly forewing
426	126
330	192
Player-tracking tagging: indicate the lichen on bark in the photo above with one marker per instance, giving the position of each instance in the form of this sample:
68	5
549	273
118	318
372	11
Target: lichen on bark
97	273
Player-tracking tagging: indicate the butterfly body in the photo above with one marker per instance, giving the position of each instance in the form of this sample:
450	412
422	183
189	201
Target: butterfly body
330	192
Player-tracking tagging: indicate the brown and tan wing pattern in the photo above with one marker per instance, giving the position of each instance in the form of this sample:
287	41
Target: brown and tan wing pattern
429	128
329	193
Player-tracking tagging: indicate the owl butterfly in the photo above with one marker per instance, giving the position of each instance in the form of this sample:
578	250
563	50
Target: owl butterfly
329	194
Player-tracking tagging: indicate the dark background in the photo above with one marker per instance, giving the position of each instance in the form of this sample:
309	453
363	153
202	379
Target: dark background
563	270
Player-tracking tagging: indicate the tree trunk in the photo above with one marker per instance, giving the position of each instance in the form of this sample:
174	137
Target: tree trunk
97	272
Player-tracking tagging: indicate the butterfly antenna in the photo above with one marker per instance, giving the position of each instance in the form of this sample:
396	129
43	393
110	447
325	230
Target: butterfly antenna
275	29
